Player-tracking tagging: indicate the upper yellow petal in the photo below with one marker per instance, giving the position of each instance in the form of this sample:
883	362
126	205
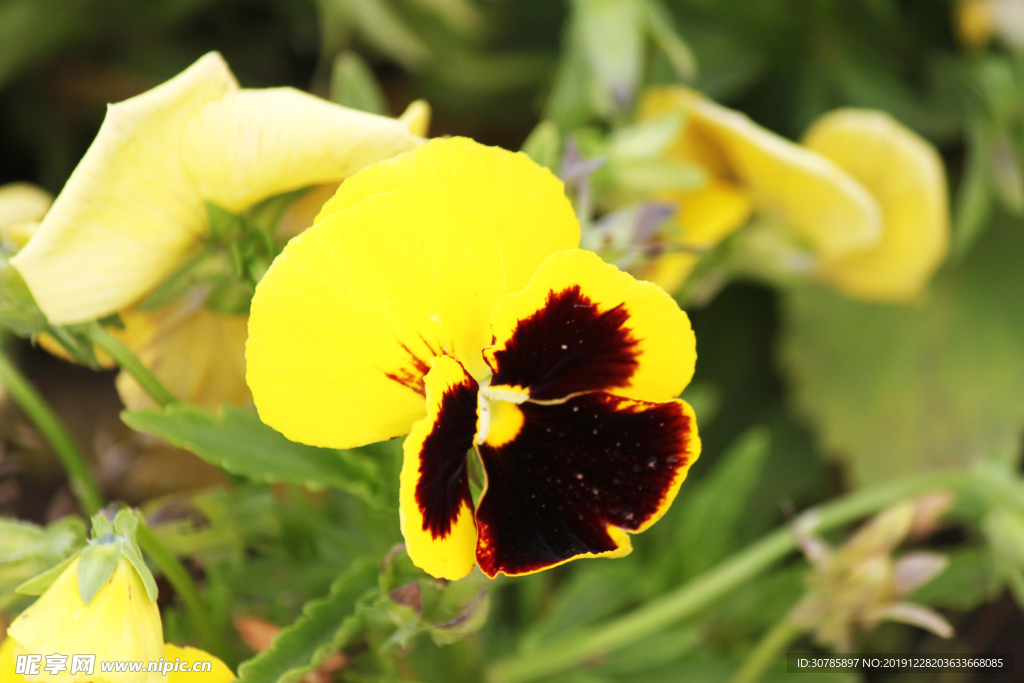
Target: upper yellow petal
345	323
531	213
253	144
121	623
218	673
197	353
130	211
22	207
905	174
804	191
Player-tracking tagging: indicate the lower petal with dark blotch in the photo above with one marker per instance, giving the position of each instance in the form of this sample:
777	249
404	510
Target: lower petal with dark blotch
574	477
436	507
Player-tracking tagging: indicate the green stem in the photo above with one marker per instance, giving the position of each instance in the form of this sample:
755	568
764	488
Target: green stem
774	642
49	425
182	582
703	590
130	363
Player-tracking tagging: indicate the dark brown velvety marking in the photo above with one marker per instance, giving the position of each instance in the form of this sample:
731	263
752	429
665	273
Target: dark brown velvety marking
444	482
412	380
568	347
575	468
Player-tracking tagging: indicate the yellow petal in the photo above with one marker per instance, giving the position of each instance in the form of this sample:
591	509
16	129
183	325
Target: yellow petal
583	325
22	206
416	118
436	508
531	213
706	217
301	213
218	672
121	623
130	212
7	662
253	144
905	174
345	323
802	190
197	353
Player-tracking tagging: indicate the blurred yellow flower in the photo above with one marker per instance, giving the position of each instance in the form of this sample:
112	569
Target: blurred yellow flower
865	196
441	295
133	211
219	672
121	622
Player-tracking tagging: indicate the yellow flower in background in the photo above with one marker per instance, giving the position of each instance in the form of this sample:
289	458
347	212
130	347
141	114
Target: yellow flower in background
976	21
863	195
751	170
22	207
219	671
905	175
133	211
121	622
441	295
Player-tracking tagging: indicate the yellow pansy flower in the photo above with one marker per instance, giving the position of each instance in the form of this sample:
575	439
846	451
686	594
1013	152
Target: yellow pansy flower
133	211
440	294
866	195
751	170
121	622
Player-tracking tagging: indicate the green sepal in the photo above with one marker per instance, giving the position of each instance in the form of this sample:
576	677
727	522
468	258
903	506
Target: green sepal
101	526
99	561
225	226
134	556
38	584
353	85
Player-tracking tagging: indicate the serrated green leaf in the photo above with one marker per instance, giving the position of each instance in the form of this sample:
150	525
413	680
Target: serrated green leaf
327	624
354	85
97	565
238	441
895	390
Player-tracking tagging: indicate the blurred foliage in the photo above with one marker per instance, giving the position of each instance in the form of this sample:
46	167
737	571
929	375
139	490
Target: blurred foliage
800	394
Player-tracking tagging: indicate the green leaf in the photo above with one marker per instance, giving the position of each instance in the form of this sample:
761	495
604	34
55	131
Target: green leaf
353	85
973	204
706	526
97	565
238	441
326	625
21	540
384	28
895	390
544	145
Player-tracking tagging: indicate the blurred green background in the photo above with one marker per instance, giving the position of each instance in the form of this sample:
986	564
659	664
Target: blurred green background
842	393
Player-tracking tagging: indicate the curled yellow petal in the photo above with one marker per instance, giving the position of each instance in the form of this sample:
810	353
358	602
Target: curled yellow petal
801	190
253	144
345	324
22	207
130	212
218	671
905	175
531	213
416	118
120	623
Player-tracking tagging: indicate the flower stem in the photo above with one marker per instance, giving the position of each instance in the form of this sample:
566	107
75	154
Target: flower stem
130	363
49	425
777	639
703	590
179	578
